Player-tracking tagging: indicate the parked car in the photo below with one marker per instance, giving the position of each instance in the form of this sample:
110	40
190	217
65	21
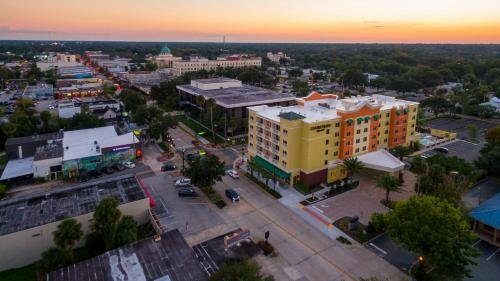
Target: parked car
187	192
232	194
168	166
107	170
192	157
129	164
51	107
233	174
118	167
183	182
441	149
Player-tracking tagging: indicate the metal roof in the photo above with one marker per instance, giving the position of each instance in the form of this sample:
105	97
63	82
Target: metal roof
488	212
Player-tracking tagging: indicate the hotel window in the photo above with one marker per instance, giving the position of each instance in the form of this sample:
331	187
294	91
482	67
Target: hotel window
396	131
357	150
412	133
365	130
348	143
414	109
364	148
364	139
387	123
327	131
336	143
358	131
347	153
397	123
283	162
373	146
327	141
285	132
357	140
326	162
348	134
387	115
386	132
337	125
396	140
385	140
326	152
378	134
284	152
413	118
337	134
336	153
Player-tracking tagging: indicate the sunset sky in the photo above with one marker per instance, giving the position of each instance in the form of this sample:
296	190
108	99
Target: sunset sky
408	21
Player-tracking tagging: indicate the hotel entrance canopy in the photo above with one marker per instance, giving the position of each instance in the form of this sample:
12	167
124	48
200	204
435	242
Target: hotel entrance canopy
381	160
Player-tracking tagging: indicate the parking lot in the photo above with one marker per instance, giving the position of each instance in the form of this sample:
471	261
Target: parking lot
463	149
459	126
488	262
384	247
189	215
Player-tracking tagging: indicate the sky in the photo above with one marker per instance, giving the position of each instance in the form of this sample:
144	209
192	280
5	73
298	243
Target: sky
318	21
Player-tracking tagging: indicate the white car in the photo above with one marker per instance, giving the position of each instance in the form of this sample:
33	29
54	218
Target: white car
233	174
128	164
51	107
183	182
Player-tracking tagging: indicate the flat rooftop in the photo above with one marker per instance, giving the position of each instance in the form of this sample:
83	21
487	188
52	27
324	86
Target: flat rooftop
17	168
231	97
49	151
89	142
327	108
43	208
169	259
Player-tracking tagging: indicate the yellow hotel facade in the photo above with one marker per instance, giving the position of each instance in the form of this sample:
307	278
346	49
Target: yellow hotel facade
307	142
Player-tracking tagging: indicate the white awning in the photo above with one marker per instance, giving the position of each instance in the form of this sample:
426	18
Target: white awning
17	168
381	160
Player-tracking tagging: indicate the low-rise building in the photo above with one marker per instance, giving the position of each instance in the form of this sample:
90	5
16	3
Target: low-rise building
54	61
232	97
82	151
276	58
39	91
180	67
494	103
307	142
68	109
162	258
96	56
86	87
486	218
27	223
74	72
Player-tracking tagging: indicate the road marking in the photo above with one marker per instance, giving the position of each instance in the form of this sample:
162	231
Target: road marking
494	253
378	249
477	242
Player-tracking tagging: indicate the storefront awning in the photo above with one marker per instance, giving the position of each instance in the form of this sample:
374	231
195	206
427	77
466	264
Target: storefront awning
271	168
381	160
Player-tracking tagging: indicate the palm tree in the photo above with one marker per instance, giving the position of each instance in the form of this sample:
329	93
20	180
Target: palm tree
200	101
352	165
9	129
45	117
252	165
389	183
401	152
419	167
68	233
210	103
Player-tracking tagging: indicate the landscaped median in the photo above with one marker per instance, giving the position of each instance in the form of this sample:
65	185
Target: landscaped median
273	192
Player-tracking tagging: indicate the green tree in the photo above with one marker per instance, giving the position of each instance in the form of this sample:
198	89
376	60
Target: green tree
437	104
389	183
132	100
301	88
352	165
447	250
354	77
246	270
200	101
68	233
9	129
206	171
419	167
127	231
52	259
105	224
45	117
295	72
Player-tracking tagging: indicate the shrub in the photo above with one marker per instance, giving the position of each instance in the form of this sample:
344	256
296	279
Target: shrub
266	247
377	222
344	240
3	190
302	187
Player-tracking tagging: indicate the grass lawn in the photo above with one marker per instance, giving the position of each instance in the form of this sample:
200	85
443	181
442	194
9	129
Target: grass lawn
197	128
26	273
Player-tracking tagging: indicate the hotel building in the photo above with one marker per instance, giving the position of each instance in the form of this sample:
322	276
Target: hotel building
308	142
180	67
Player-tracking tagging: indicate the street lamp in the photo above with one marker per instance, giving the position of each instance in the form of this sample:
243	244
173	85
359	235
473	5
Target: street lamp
183	159
420	260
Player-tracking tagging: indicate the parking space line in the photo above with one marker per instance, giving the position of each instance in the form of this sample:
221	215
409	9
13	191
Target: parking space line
477	242
494	253
378	249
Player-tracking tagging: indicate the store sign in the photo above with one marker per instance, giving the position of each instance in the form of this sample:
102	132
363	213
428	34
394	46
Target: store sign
121	148
320	127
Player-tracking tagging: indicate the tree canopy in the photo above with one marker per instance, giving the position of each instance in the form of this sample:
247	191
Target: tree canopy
206	171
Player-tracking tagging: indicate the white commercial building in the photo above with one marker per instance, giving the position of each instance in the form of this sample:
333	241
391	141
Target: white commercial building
197	63
277	57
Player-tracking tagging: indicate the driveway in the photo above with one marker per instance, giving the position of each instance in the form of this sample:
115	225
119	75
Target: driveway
364	200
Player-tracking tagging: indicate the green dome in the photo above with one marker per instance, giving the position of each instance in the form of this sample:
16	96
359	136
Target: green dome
165	50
